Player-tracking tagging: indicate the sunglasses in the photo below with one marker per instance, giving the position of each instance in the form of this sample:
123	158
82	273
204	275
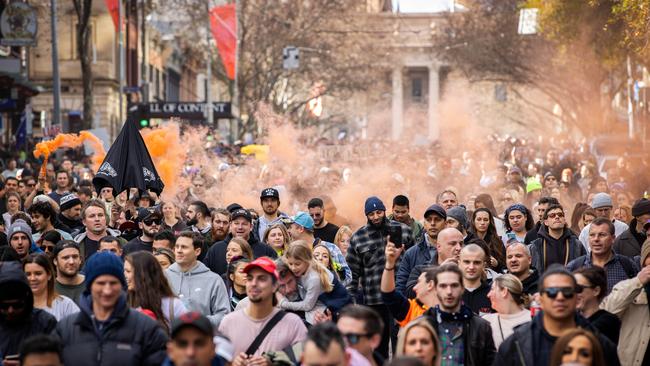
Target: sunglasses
15	305
47	248
556	214
567	292
150	222
354	338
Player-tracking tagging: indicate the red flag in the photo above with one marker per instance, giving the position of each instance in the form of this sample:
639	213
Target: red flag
223	24
114	8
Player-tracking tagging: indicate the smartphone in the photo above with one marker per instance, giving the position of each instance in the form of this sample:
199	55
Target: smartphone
395	235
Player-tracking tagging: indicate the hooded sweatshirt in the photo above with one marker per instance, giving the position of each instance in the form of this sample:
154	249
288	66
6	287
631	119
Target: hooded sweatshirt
200	290
14	285
546	250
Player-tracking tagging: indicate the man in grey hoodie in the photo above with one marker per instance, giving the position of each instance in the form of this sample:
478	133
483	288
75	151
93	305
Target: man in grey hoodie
199	288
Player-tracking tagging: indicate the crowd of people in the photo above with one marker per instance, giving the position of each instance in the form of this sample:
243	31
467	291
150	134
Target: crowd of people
537	260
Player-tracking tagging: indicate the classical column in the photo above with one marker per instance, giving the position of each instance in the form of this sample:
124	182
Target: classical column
397	107
434	96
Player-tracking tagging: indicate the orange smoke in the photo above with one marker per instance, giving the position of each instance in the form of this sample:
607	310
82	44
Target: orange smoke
69	140
168	155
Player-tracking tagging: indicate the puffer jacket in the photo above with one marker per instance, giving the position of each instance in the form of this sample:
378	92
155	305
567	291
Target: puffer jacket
34	321
126	338
629	302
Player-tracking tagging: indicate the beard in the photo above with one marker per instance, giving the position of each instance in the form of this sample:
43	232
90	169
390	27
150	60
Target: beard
193	221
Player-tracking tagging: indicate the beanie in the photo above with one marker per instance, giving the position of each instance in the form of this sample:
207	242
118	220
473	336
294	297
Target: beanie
459	214
601	200
373	203
641	207
68	201
104	263
645	251
19	226
533	185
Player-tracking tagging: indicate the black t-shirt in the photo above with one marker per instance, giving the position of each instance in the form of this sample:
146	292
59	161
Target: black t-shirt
90	247
477	300
607	323
327	232
72	291
136	245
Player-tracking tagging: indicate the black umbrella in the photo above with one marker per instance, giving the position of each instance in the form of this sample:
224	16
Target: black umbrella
128	164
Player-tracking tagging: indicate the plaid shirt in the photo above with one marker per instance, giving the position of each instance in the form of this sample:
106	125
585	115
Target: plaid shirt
366	259
451	342
615	269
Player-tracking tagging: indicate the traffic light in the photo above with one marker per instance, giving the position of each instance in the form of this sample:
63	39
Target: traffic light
140	114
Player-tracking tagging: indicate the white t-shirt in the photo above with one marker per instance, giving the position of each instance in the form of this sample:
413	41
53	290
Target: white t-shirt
178	308
62	306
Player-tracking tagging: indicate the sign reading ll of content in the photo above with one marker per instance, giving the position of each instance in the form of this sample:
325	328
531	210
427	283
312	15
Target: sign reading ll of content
188	110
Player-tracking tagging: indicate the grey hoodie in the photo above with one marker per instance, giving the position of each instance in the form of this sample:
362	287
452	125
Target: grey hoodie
200	290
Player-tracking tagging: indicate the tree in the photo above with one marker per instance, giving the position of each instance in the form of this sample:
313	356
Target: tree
484	44
336	56
83	9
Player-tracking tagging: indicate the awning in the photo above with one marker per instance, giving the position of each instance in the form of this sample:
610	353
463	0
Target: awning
25	87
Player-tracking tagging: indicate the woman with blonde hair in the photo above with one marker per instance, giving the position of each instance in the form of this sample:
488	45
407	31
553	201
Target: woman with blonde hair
313	279
277	237
419	339
342	239
508	298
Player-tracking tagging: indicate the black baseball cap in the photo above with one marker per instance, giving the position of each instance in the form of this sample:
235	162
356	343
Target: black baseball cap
192	319
240	212
270	192
148	212
436	209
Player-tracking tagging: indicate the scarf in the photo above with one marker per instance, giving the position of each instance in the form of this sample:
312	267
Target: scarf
463	315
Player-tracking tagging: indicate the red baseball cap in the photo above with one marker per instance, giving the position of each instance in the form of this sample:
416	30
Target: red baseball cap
266	264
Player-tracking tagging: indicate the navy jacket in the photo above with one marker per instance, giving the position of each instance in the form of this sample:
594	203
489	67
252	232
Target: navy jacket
416	255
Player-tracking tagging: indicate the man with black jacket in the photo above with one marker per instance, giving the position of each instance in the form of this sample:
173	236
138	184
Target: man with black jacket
629	243
241	225
472	264
460	331
18	318
531	343
107	331
556	242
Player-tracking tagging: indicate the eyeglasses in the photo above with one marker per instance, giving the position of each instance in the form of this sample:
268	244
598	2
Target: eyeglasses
18	305
567	292
150	222
354	338
556	214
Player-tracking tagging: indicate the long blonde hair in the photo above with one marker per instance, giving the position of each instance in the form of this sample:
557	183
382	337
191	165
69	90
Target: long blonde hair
301	250
423	323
